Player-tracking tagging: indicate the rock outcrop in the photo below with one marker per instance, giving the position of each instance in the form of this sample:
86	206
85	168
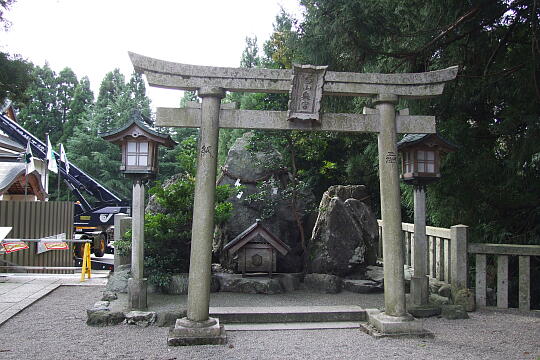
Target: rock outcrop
346	233
248	168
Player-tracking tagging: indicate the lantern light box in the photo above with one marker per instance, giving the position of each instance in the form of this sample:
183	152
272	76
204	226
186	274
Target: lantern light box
139	145
421	157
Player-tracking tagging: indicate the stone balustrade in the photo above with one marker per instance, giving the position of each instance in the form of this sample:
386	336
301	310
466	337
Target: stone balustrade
502	252
447	252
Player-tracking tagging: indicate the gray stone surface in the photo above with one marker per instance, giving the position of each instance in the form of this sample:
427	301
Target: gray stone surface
438	300
101	305
109	296
202	229
250	168
346	232
424	311
137	294
188	77
273	120
464	297
169	317
104	318
375	273
392	235
453	312
362	286
324	283
140	318
287	314
445	290
118	280
395	325
290	282
179	284
249	285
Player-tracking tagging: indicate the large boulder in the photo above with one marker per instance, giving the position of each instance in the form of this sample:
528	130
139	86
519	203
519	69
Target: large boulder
153	206
346	232
249	168
118	280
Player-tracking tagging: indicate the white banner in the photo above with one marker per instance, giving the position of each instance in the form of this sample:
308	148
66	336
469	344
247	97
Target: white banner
41	247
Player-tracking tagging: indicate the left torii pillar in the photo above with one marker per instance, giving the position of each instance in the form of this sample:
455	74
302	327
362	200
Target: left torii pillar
197	328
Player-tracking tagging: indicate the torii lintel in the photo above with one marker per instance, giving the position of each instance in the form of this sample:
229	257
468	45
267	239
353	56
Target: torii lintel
171	75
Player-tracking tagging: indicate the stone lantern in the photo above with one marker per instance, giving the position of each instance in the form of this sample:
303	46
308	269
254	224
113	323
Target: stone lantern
421	160
139	144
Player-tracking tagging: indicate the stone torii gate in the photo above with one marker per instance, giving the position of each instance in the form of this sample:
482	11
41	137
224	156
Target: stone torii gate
306	85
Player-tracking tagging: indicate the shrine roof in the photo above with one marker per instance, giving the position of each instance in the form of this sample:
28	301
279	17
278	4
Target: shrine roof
249	234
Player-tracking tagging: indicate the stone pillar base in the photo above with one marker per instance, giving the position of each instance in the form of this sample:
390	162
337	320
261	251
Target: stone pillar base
382	325
137	294
187	332
419	290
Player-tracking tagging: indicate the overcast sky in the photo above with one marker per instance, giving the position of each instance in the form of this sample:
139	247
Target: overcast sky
94	36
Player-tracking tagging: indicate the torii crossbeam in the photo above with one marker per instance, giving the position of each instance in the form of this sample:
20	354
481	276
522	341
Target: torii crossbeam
306	84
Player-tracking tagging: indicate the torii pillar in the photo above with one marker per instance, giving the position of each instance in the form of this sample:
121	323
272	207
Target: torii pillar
306	85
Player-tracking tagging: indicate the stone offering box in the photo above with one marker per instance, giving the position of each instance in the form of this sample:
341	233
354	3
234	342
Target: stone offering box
257	249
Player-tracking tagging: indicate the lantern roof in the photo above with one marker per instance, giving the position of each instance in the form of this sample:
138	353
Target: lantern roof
431	140
138	121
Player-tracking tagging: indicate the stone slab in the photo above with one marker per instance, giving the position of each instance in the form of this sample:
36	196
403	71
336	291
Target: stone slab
288	314
293	326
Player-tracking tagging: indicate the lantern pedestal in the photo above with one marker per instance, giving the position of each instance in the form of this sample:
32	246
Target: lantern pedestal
139	144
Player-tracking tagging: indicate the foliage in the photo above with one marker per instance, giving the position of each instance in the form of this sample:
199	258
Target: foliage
113	107
4	5
15	76
168	233
491	110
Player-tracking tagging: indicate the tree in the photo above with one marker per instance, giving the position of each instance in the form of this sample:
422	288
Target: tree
491	110
4	5
115	103
15	77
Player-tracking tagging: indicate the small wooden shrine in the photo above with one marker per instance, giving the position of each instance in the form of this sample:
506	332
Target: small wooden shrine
257	249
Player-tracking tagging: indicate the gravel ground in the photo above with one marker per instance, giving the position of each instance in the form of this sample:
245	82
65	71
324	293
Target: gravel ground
54	328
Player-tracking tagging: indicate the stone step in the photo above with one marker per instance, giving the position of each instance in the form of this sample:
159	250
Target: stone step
288	314
293	326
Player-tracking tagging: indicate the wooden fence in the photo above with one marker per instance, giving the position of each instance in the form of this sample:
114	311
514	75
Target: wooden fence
35	220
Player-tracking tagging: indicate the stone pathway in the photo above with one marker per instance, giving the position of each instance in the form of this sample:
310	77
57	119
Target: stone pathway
18	291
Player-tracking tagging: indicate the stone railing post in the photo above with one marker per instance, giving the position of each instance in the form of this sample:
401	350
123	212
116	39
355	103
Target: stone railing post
122	223
459	255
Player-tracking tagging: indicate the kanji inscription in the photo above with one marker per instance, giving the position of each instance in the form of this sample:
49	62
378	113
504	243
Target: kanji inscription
306	93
